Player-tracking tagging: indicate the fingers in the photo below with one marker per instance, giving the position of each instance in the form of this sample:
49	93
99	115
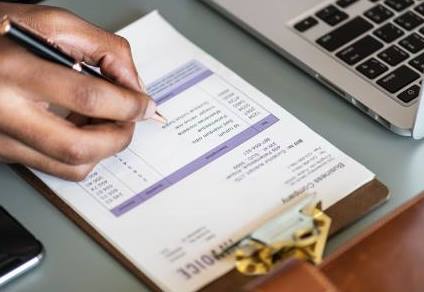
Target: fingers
14	151
60	139
86	42
77	119
4	160
95	46
86	95
31	135
110	52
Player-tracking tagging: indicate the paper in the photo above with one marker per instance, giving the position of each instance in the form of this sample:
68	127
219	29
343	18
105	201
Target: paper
228	160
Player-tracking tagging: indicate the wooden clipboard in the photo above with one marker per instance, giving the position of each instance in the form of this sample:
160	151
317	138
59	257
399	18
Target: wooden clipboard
343	213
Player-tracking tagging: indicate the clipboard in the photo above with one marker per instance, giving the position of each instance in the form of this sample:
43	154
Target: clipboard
343	214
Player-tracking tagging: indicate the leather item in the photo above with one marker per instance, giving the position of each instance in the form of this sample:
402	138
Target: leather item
293	275
388	257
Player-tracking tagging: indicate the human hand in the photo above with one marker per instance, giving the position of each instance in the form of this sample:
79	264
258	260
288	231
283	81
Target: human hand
103	114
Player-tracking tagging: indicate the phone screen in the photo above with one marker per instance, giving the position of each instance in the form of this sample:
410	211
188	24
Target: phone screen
19	249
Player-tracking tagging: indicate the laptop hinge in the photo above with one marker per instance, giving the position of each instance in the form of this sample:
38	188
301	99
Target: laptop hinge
418	127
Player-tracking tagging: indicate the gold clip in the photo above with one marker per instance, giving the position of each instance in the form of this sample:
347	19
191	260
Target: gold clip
254	257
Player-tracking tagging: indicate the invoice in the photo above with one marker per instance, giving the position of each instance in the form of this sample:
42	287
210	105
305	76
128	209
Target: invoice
228	159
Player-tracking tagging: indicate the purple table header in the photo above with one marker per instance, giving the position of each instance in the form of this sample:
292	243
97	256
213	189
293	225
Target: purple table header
177	81
195	165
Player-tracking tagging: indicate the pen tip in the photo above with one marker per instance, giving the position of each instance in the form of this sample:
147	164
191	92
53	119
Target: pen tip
159	117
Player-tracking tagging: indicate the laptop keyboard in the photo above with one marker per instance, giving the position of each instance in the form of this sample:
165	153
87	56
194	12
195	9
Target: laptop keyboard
384	42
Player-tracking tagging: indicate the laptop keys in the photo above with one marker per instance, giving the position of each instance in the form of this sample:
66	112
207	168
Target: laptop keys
331	15
359	50
388	32
372	68
399	5
413	43
398	79
369	49
306	24
409	20
378	14
418	63
420	9
393	55
410	94
344	34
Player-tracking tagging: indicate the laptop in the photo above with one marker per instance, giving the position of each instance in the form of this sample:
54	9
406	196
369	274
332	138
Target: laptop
371	52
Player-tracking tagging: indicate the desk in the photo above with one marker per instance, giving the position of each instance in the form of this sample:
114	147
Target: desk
74	262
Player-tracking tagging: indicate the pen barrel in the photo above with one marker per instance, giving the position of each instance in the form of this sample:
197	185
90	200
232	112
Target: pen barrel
38	45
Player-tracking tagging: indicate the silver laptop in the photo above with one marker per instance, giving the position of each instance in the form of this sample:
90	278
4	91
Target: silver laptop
371	52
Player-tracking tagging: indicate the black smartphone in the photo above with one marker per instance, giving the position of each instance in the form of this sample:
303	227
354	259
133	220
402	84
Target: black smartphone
20	251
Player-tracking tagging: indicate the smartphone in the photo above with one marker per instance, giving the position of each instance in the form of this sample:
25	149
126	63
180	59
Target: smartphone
20	251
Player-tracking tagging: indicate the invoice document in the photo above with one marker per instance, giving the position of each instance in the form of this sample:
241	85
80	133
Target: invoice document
228	159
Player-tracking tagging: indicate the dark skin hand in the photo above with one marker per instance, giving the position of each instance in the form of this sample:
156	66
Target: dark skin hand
103	114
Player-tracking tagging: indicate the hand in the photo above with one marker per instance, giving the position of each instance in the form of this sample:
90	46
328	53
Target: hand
103	114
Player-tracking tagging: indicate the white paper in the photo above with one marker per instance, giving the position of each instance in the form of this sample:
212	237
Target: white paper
229	159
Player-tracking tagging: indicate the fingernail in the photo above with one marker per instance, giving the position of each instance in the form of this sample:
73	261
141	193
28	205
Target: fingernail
43	104
149	112
152	114
142	85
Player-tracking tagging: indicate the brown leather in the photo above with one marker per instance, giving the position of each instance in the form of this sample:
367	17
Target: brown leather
293	276
387	257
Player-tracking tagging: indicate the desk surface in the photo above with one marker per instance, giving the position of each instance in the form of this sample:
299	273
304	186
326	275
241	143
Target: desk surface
74	262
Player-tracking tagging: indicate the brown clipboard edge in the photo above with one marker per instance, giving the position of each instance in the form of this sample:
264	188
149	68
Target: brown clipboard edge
343	213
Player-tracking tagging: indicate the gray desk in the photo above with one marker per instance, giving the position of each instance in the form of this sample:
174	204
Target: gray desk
75	263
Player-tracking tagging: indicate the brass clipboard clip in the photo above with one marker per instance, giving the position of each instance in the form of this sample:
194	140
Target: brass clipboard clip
299	233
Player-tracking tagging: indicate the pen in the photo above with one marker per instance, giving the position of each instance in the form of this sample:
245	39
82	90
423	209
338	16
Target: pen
49	51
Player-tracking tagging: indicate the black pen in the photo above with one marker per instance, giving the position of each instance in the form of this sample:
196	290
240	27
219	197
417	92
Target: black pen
40	46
